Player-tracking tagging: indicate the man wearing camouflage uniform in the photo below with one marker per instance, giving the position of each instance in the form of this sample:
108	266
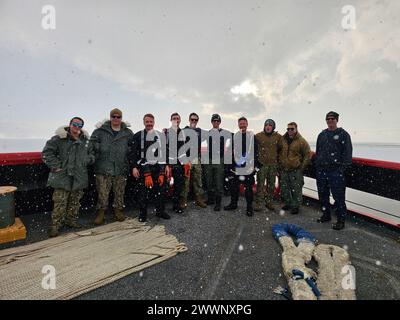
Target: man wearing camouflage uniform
294	157
269	143
112	143
193	170
67	154
149	168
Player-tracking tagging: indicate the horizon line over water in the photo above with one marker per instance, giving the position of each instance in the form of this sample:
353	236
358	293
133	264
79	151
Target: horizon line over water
373	150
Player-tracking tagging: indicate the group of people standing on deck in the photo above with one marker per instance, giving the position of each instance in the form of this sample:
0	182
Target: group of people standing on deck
153	157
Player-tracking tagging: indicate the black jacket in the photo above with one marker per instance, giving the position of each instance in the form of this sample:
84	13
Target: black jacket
141	146
248	152
221	144
334	149
174	140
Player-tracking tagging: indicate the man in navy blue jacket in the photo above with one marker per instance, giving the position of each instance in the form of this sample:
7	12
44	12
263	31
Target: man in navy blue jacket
333	155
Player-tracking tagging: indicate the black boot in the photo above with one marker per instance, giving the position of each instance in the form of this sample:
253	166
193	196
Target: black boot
286	207
324	218
142	215
210	200
339	225
231	206
217	204
294	210
249	210
162	214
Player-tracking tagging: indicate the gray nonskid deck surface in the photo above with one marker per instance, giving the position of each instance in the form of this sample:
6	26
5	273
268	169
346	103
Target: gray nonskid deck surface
232	256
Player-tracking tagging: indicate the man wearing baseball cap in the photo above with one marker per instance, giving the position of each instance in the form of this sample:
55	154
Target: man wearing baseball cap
215	169
333	155
112	142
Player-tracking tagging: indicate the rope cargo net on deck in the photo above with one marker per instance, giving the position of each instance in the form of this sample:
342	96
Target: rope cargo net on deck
84	261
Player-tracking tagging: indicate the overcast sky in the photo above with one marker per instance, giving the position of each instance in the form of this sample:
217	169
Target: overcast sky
286	60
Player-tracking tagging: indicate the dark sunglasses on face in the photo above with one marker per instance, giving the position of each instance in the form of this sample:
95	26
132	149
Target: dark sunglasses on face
290	129
76	124
216	121
327	119
116	117
194	119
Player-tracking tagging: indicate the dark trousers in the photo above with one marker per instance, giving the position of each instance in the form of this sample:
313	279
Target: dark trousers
157	191
179	182
332	181
234	185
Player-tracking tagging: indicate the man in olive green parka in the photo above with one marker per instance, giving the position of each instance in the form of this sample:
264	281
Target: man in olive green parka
67	154
294	157
112	142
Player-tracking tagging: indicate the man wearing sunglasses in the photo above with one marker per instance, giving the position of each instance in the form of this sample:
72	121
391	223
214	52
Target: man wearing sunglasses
215	169
333	155
112	142
67	154
193	171
294	157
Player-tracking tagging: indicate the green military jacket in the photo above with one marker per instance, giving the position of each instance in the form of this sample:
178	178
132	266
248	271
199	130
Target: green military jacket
112	151
69	155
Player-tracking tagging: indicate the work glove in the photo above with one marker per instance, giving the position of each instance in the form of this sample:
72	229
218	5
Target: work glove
186	167
148	181
161	179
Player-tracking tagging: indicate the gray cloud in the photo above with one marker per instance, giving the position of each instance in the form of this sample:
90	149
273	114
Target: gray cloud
192	54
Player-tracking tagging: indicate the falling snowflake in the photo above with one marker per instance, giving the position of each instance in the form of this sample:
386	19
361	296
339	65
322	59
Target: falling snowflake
240	248
346	247
241	178
378	263
141	274
205	245
336	137
282	213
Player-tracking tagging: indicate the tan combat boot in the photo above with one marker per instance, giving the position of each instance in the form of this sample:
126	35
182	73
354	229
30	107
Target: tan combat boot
183	203
270	206
100	217
53	231
200	202
119	215
74	224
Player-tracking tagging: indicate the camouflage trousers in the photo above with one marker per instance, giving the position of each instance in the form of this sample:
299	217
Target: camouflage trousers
215	174
196	179
104	184
266	173
66	206
291	187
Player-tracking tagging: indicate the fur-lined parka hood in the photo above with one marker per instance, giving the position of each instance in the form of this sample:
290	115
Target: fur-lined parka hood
107	123
62	132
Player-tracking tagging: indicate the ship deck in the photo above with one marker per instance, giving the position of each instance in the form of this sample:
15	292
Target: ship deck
232	256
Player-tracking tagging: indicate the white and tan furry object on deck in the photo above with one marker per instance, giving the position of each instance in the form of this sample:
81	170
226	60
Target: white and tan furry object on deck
83	261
